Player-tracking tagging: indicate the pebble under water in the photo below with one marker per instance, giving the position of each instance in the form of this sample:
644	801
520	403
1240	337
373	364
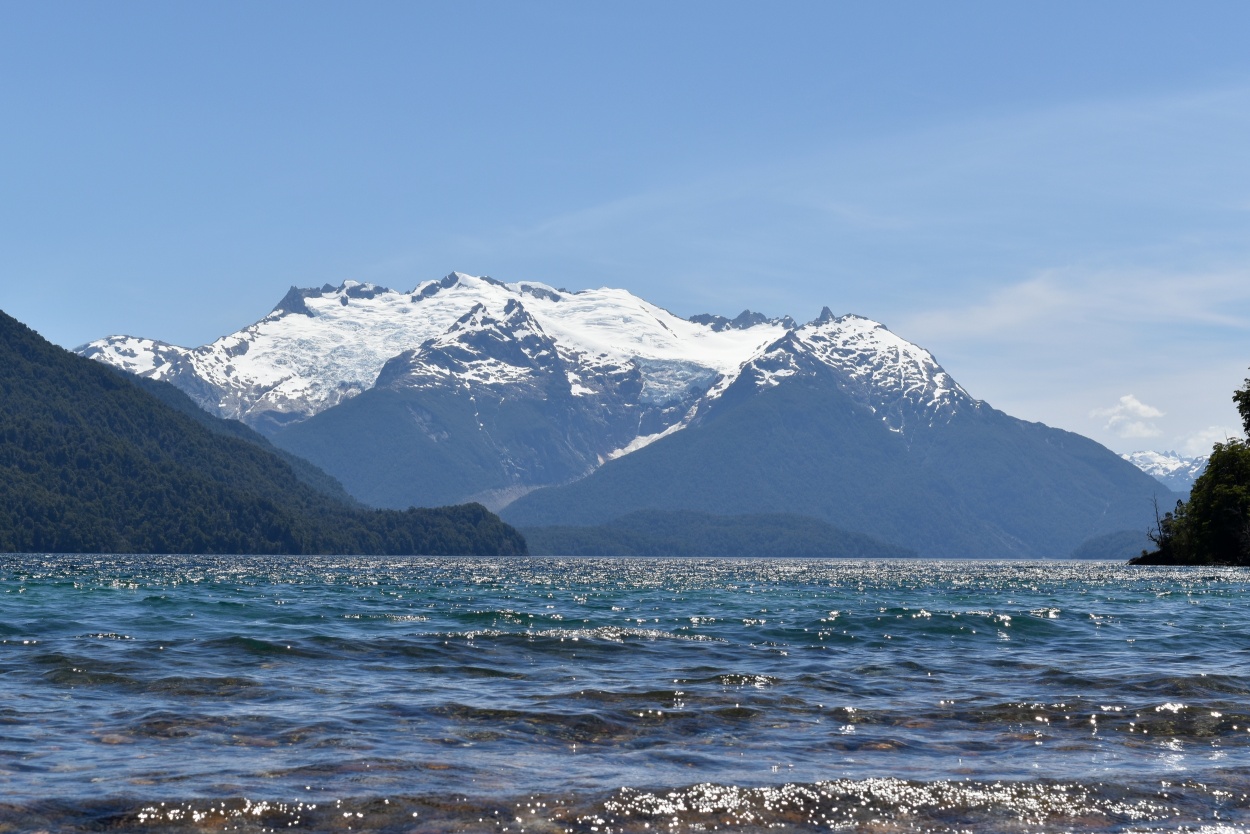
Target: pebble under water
198	693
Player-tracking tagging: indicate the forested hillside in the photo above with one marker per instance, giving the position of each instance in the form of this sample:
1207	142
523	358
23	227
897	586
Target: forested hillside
683	533
980	485
90	462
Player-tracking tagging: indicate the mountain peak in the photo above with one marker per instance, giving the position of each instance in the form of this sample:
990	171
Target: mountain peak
515	319
293	302
479	347
1175	471
475	318
743	321
899	381
747	318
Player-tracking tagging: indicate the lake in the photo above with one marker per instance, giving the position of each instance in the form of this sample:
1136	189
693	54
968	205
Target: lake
196	693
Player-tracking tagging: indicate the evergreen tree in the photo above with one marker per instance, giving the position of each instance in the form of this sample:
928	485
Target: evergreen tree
1213	527
1242	398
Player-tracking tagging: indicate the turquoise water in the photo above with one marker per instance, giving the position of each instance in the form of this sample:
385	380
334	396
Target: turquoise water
213	693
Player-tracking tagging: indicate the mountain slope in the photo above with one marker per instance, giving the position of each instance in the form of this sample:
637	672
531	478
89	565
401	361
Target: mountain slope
90	462
793	434
302	469
494	406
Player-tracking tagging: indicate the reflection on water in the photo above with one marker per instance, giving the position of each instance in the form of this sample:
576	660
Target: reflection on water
622	695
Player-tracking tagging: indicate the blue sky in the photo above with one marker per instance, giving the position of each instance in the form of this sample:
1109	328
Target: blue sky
1054	198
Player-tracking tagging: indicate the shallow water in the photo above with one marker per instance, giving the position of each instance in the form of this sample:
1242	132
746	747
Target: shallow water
211	693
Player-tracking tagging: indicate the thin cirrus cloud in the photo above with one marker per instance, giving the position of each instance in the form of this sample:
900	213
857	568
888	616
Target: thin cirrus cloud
1136	298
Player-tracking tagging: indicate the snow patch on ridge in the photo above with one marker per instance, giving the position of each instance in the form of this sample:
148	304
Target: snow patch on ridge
882	365
482	347
1173	470
643	441
143	357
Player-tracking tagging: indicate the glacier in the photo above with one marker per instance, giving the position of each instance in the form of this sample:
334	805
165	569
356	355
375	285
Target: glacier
322	346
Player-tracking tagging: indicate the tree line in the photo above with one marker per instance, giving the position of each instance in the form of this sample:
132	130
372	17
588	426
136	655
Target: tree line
1213	526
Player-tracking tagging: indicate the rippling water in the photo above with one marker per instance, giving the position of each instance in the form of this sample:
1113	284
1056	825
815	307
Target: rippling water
207	693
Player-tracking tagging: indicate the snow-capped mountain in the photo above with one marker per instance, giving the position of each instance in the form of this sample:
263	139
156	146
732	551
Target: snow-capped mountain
575	407
495	407
321	347
1175	471
842	421
523	384
900	382
509	357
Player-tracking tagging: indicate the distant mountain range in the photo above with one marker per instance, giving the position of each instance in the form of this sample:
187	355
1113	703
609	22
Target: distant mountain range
95	461
577	408
1175	471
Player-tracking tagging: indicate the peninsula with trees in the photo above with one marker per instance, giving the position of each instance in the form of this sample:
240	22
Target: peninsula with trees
1213	526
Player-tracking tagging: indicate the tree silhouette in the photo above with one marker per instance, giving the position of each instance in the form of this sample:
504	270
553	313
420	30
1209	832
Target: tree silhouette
1213	526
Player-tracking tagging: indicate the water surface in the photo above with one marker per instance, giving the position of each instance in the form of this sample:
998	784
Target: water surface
237	693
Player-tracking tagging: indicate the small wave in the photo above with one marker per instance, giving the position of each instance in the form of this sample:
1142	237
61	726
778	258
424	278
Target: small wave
609	634
758	681
249	645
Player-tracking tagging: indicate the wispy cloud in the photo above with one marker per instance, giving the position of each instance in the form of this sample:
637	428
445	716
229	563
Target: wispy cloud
1060	299
1056	347
1130	418
1137	182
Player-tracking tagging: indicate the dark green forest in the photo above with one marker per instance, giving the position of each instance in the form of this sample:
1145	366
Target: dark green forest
91	462
685	533
1213	526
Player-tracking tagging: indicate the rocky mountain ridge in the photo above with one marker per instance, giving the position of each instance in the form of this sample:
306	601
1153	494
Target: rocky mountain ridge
320	347
650	370
1175	471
